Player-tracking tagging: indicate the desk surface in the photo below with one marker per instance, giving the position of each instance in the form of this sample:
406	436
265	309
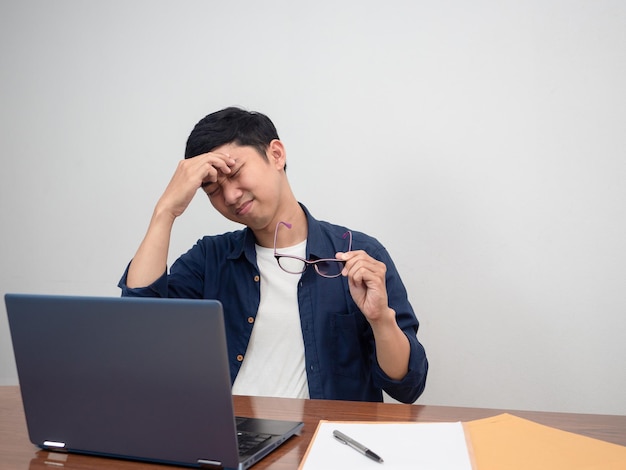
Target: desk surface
16	451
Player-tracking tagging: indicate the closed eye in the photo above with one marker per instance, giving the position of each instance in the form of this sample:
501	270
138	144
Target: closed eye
234	173
213	188
214	191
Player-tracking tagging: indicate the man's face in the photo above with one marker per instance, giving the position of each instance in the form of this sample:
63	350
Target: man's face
250	193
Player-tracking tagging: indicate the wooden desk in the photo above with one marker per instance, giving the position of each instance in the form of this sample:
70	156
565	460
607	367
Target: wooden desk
17	453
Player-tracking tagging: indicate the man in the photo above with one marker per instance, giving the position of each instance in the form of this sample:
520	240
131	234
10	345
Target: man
311	309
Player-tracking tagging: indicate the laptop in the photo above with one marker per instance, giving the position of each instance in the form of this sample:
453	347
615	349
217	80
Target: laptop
133	378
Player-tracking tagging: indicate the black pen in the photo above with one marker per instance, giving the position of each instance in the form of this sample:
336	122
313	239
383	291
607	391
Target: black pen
341	437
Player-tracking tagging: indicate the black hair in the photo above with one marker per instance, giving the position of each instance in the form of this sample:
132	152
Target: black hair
231	125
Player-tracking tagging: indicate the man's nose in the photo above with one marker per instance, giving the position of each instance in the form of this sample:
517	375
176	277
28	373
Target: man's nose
231	193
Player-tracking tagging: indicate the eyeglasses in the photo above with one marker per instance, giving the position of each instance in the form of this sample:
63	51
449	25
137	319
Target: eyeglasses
325	267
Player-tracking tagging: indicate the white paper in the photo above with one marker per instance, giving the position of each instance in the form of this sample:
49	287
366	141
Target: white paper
418	446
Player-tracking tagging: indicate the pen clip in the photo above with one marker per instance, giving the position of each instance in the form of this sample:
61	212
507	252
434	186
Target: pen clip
343	441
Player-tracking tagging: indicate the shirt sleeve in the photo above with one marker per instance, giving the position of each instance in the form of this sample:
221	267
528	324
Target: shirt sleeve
157	289
408	389
412	385
185	280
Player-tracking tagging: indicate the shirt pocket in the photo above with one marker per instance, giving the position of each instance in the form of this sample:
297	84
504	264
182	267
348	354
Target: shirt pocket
347	350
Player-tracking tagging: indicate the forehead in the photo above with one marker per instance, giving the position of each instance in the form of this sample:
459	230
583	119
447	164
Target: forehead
236	151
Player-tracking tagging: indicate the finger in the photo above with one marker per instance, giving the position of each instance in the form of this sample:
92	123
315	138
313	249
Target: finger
359	257
212	166
350	259
222	161
219	163
366	271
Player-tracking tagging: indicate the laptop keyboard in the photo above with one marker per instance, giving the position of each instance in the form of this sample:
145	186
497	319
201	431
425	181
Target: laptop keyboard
249	441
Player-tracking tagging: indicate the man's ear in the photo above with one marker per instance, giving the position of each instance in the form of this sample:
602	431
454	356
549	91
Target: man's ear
277	154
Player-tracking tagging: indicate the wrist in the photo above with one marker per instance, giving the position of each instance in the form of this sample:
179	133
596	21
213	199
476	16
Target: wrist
164	215
383	321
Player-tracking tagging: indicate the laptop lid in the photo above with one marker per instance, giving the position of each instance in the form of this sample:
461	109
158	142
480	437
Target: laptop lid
136	378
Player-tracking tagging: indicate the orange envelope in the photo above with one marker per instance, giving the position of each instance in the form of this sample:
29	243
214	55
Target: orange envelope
507	442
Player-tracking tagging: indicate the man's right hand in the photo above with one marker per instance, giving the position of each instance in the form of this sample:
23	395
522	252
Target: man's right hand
190	175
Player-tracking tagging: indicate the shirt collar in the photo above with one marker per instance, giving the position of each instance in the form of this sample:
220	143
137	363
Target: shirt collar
317	245
244	245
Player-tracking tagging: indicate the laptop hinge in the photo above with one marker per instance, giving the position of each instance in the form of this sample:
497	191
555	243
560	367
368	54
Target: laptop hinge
55	445
210	464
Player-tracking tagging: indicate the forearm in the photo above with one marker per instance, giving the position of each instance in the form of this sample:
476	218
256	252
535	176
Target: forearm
392	347
150	261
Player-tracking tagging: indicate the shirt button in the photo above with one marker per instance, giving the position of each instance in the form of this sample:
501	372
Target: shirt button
250	319
239	357
257	278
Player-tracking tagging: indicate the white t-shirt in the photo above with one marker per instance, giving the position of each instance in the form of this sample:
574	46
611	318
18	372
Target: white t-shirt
274	362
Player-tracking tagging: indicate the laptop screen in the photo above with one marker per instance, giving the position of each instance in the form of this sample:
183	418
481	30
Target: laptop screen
136	378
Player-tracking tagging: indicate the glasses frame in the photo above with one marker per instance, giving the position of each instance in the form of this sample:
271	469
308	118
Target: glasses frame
315	263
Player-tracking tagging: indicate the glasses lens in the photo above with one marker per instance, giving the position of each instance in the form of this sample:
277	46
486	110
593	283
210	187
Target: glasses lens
291	265
329	268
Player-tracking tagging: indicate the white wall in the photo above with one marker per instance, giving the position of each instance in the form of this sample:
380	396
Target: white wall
482	142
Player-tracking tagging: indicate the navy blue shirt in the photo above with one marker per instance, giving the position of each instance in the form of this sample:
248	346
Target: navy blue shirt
339	345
